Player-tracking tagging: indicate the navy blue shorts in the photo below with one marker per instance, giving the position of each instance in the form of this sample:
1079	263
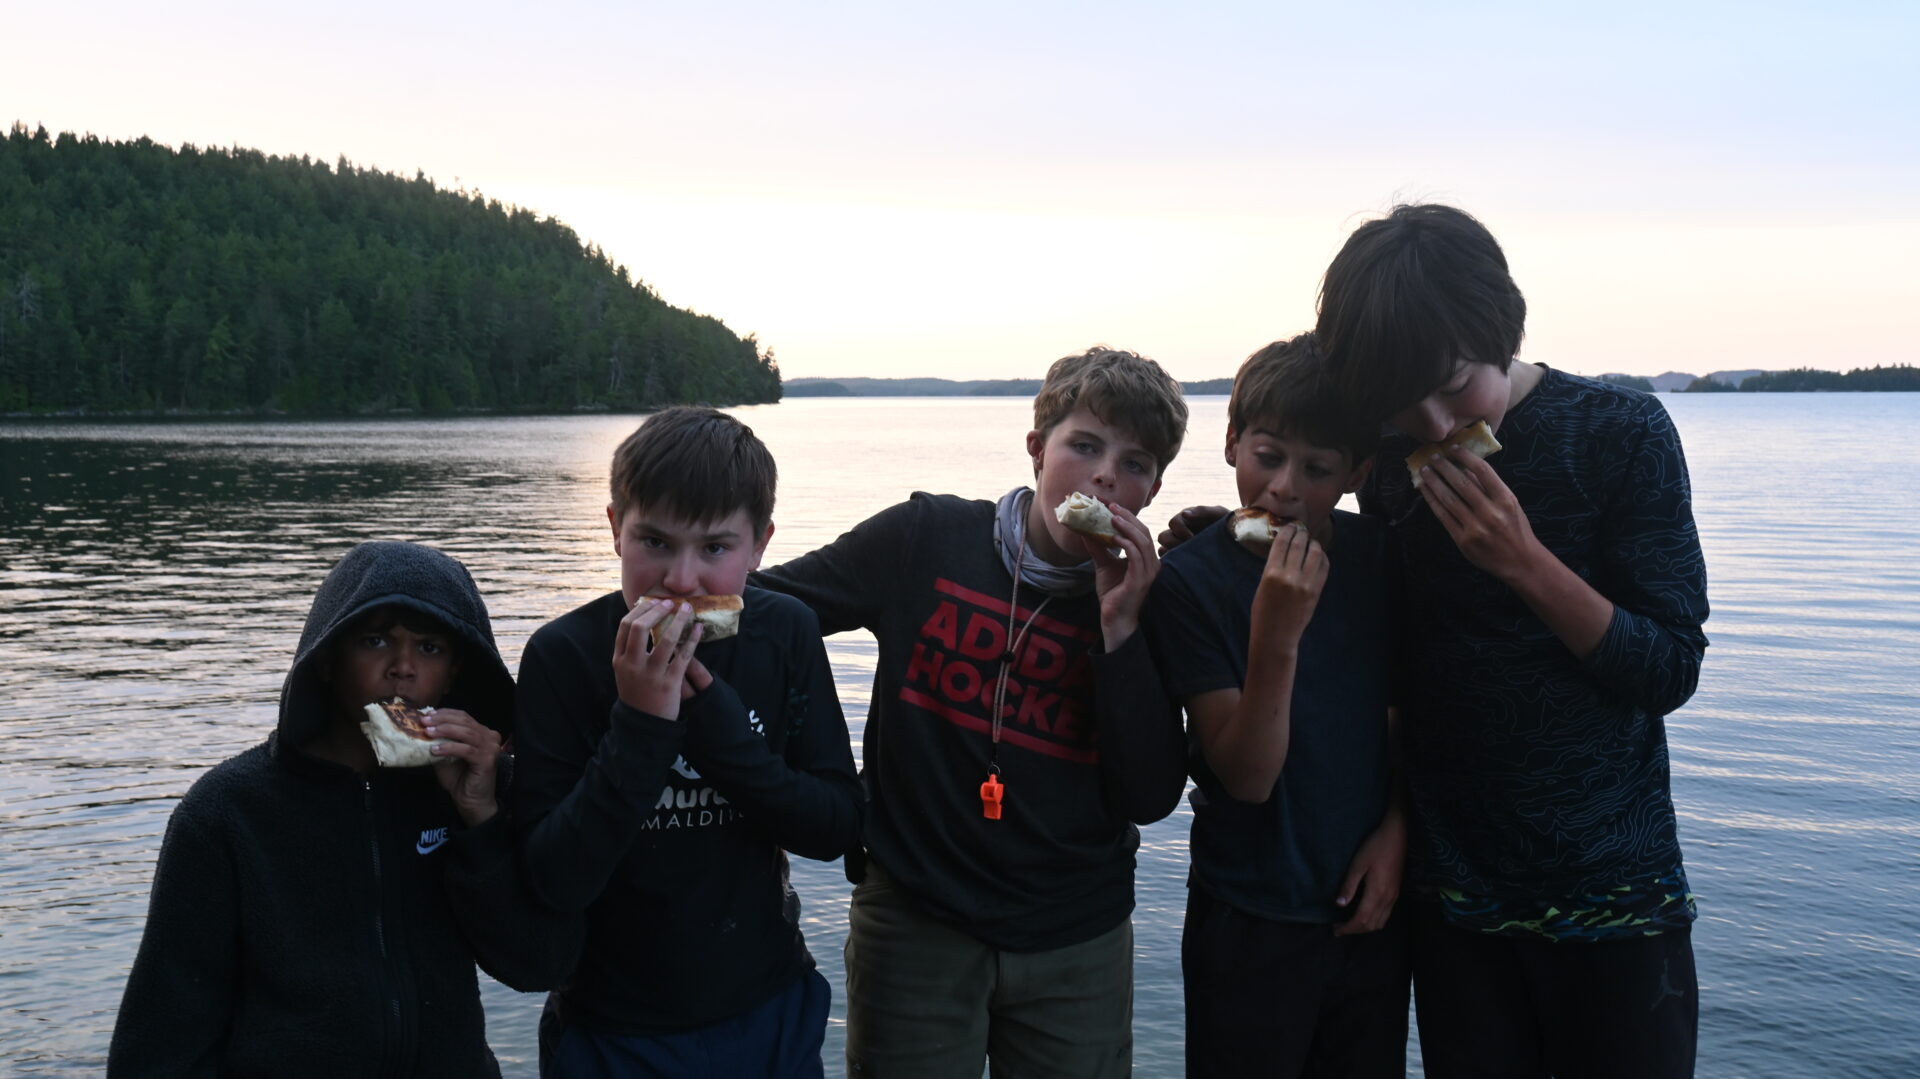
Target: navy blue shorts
1291	1000
780	1038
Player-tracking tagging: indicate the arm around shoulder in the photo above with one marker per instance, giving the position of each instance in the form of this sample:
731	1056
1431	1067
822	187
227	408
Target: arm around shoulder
843	582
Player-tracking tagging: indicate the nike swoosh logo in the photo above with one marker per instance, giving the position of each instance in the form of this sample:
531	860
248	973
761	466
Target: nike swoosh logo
429	848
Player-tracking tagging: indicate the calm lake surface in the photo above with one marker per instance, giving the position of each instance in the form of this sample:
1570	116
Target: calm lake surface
153	579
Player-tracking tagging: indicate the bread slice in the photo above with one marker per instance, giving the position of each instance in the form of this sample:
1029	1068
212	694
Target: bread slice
719	615
1255	527
1477	439
1087	516
398	733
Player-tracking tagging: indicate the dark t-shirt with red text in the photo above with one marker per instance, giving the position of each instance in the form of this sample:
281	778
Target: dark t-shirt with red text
1090	744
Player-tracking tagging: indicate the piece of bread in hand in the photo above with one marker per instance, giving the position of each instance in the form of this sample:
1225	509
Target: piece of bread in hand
1477	439
1255	527
1087	516
398	733
718	615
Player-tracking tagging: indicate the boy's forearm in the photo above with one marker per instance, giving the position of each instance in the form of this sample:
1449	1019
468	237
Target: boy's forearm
1143	750
580	816
810	805
1576	613
1248	750
515	937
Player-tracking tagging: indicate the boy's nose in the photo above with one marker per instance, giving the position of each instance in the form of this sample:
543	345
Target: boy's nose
1431	422
1105	472
683	578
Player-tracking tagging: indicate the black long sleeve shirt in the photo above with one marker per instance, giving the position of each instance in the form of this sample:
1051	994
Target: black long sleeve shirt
1539	777
670	833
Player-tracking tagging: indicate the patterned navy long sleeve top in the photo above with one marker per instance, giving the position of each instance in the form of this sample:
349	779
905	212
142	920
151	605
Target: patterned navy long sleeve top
1540	781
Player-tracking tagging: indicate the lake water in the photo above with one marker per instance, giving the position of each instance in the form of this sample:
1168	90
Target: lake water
153	579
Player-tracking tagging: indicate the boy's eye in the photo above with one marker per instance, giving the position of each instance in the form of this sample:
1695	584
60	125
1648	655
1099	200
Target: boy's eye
1082	446
652	543
717	549
1137	467
1268	460
373	640
432	647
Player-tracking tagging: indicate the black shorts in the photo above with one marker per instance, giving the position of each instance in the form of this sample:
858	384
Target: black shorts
1493	1007
1287	999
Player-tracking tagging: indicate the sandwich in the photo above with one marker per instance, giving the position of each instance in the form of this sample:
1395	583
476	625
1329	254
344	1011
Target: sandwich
1477	440
720	615
1089	517
398	733
1255	527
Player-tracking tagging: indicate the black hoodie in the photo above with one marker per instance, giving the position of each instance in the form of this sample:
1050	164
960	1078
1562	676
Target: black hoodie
307	920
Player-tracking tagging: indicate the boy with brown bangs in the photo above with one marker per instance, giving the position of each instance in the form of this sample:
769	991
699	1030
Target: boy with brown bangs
1017	735
1283	659
1555	596
660	783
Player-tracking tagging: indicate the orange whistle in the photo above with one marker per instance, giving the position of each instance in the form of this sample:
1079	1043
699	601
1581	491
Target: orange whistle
990	794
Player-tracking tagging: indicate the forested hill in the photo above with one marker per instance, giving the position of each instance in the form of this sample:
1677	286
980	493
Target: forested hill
134	277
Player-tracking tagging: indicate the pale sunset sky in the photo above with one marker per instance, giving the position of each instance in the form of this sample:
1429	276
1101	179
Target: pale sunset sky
973	190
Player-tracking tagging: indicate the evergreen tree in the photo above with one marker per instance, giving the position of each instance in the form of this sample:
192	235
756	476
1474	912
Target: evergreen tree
137	277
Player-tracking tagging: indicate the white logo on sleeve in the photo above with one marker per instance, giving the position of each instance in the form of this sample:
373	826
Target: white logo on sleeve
431	839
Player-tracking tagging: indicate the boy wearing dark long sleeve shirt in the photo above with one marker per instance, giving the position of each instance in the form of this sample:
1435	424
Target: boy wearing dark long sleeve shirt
660	784
1555	596
1017	733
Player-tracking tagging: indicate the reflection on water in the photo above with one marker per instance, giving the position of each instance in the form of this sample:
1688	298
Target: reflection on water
153	579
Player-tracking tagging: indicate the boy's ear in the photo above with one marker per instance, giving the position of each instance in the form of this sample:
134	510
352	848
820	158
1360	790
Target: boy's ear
1233	442
760	547
614	522
1358	476
1036	448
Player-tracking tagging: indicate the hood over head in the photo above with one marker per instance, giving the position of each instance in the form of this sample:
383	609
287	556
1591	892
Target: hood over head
375	575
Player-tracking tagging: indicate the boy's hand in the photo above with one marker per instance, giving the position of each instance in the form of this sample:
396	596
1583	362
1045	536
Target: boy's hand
1290	586
1123	583
1480	512
1374	876
1187	524
467	762
654	681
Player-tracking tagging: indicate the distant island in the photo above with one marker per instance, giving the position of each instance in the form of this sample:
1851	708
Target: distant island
1799	380
135	278
947	387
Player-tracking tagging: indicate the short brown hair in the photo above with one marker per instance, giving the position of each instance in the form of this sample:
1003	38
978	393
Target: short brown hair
696	463
1122	388
1285	388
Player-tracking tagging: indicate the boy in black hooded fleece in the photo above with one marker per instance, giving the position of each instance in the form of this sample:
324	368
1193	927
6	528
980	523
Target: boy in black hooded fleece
315	915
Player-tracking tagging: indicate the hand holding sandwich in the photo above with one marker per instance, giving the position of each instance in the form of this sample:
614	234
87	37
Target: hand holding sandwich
467	761
1123	583
1491	529
655	680
1290	586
